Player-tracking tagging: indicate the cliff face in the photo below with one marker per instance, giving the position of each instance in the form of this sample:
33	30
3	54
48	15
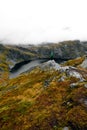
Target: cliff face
64	50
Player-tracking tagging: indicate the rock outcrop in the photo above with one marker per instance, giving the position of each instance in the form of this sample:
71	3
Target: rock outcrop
63	50
68	70
51	64
84	63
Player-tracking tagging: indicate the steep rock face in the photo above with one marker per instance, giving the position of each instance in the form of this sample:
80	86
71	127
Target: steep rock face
17	54
64	50
13	55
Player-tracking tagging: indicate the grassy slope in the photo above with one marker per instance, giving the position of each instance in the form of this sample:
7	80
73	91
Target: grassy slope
26	103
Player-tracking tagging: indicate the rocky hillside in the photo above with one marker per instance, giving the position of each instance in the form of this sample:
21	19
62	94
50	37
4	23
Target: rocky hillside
63	50
13	54
50	96
16	55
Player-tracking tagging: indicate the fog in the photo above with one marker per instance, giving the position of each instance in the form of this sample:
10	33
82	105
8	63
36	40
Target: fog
36	21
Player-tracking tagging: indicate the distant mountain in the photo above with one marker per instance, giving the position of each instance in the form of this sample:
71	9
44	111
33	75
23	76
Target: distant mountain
63	50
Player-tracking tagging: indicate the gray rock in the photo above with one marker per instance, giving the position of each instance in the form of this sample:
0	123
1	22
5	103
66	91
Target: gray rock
85	85
73	85
51	64
84	101
68	103
63	50
65	128
69	70
72	71
62	79
46	83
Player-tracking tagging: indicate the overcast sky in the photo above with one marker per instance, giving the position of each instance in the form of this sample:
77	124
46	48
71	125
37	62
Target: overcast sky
35	21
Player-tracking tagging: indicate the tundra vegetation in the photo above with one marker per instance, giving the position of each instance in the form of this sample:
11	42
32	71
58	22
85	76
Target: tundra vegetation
49	97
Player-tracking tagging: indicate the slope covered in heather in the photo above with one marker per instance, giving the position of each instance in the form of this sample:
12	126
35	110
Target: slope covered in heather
51	96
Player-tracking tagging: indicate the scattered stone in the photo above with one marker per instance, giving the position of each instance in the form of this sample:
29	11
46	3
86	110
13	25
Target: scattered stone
85	85
69	70
62	79
73	85
46	83
68	103
65	128
64	69
72	71
85	102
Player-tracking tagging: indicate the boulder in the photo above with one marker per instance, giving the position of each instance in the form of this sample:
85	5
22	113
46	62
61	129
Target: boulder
51	64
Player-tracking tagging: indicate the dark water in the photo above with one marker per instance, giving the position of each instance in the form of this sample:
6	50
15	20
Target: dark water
24	67
27	65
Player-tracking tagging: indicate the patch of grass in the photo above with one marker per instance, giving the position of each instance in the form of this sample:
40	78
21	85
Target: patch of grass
23	107
74	62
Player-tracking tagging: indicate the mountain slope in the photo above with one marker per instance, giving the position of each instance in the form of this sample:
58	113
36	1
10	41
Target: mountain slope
63	50
50	96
